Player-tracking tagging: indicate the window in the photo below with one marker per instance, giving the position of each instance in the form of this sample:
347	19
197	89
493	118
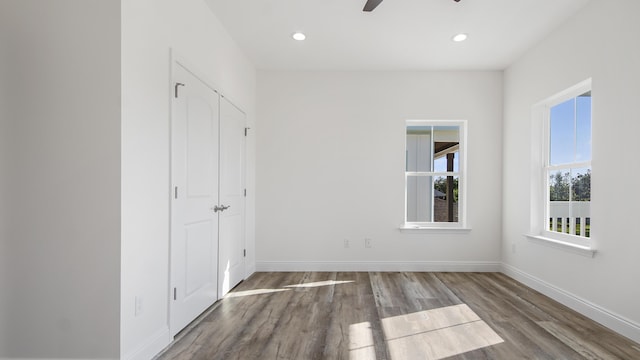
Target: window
434	174
567	166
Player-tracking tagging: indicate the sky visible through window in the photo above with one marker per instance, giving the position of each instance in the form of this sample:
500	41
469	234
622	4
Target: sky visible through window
571	131
440	164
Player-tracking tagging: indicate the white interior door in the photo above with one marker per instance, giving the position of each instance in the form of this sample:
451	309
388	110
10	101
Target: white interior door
194	224
231	239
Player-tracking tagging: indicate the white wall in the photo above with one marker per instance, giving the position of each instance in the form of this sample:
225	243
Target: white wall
62	134
330	166
149	29
599	42
4	138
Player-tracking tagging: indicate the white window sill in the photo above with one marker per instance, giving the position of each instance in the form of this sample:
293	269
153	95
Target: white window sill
417	229
583	250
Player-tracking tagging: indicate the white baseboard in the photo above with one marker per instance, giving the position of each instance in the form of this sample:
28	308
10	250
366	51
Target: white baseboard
595	312
432	266
151	347
249	270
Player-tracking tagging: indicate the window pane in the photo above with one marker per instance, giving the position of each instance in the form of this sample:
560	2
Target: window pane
559	185
419	148
583	127
447	162
581	201
570	201
445	199
423	200
559	190
446	140
562	133
419	198
581	184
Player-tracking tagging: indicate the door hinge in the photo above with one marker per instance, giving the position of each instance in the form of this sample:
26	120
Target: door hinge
245	192
245	130
175	192
175	88
245	252
175	293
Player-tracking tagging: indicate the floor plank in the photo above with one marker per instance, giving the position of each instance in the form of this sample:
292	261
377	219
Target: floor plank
393	316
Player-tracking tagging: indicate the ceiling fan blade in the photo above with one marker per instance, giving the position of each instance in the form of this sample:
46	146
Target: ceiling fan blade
371	4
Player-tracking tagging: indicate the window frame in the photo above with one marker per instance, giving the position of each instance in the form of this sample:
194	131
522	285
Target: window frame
461	174
540	221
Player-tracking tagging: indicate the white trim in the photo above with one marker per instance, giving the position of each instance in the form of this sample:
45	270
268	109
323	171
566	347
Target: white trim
583	250
249	269
613	321
414	228
418	266
151	347
578	241
177	59
569	166
564	95
426	122
431	173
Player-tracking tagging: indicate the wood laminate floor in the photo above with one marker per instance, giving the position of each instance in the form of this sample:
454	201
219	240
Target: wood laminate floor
394	316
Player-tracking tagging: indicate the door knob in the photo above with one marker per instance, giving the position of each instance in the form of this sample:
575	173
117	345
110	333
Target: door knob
220	208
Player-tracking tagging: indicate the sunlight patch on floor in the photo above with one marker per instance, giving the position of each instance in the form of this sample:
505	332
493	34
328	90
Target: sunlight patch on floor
361	345
437	333
236	294
319	283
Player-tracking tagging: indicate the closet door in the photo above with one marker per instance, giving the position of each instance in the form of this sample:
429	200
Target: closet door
231	240
194	194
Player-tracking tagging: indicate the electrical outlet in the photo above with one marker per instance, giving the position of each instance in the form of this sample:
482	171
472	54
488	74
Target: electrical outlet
367	243
346	243
139	306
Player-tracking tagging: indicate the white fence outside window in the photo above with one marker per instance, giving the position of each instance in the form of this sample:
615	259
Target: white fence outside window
571	217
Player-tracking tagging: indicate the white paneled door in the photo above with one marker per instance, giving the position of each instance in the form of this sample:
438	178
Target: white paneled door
231	241
194	194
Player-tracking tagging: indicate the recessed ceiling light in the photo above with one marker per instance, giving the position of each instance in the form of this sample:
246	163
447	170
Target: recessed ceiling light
298	36
460	37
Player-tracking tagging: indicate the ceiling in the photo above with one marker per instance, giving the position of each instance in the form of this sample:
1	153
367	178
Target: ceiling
397	35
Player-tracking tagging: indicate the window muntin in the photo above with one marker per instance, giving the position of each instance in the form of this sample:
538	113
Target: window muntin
567	169
433	173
